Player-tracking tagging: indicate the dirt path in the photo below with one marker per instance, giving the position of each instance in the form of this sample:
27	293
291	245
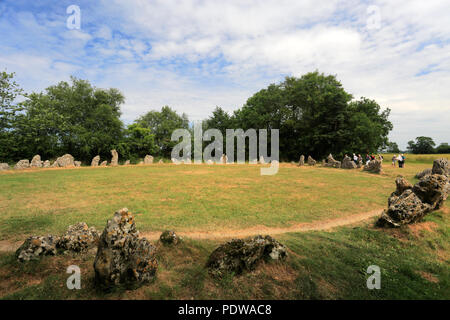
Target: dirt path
302	227
8	246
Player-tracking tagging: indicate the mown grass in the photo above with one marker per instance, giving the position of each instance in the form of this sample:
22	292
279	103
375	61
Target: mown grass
188	197
414	263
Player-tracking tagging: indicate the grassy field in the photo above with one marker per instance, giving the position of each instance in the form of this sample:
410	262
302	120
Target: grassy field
193	198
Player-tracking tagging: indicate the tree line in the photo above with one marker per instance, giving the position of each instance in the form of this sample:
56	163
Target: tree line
314	114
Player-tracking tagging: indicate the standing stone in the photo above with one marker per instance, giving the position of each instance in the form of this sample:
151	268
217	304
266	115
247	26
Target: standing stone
348	163
127	163
223	159
261	160
104	164
66	160
122	257
4	166
115	158
54	164
441	166
46	164
161	161
374	166
331	162
148	159
209	162
141	162
36	162
311	161
301	162
22	164
77	163
95	161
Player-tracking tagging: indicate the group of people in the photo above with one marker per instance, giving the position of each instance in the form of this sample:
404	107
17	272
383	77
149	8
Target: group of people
400	159
369	157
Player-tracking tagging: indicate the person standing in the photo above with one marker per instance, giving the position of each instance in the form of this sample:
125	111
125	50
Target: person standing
394	158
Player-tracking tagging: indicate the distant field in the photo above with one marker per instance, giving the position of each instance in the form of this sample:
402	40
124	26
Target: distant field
190	197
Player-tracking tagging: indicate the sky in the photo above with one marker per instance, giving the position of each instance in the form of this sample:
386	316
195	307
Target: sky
196	55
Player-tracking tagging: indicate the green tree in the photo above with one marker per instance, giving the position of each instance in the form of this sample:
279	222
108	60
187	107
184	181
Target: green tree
9	109
422	145
443	148
162	124
137	142
392	147
316	116
74	118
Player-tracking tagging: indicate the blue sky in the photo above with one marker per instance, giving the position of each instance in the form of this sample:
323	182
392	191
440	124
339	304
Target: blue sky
195	55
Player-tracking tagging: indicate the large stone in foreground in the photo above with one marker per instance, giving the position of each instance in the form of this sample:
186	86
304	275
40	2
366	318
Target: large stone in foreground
122	257
237	255
35	247
78	238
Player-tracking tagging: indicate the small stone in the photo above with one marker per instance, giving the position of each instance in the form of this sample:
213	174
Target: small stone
348	163
77	163
46	164
301	162
78	238
148	159
169	237
104	164
35	247
441	166
66	160
311	161
36	162
374	166
127	163
4	166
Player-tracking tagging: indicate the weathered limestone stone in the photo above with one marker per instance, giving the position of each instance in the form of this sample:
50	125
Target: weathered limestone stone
66	161
4	166
311	161
36	162
348	163
141	162
127	163
54	164
35	247
77	163
423	173
301	162
95	161
115	158
78	238
169	237
374	166
104	164
261	160
331	162
22	164
407	208
148	159
433	190
160	161
441	166
240	255
122	257
46	164
409	203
